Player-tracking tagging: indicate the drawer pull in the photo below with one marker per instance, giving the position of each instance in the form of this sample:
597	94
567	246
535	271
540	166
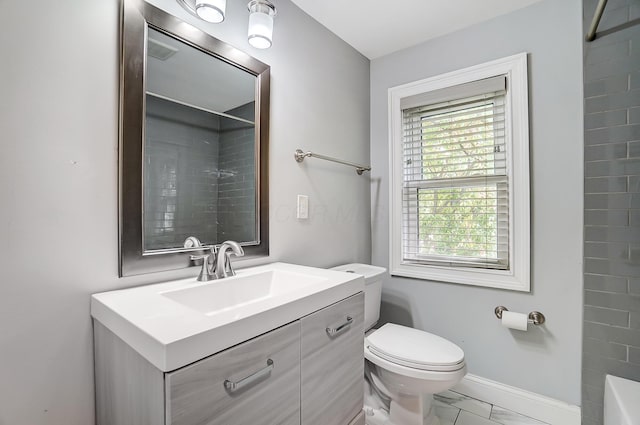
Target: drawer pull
254	377
339	329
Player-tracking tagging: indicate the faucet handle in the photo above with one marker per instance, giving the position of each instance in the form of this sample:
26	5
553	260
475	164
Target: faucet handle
205	273
192	242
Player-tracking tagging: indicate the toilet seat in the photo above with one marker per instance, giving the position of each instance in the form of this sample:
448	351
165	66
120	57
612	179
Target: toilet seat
414	349
411	372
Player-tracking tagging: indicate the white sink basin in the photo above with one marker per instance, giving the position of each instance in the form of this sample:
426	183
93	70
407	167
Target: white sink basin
176	323
227	294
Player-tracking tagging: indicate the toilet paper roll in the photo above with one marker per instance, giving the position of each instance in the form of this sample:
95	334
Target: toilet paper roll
514	320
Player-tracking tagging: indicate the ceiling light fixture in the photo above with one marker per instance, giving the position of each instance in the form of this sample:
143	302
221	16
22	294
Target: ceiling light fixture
208	10
211	10
261	13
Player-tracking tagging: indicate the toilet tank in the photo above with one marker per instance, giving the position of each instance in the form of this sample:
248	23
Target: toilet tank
373	276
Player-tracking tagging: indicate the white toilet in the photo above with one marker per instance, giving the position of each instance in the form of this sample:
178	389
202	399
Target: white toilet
404	366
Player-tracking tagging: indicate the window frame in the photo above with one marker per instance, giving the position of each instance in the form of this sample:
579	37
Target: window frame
517	277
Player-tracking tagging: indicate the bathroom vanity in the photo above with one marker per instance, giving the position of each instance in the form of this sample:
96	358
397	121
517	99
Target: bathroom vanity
286	347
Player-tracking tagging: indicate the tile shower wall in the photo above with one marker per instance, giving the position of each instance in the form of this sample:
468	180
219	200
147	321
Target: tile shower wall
611	342
181	154
236	188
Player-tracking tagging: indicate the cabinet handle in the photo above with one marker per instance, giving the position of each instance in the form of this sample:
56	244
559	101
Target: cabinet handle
254	377
339	329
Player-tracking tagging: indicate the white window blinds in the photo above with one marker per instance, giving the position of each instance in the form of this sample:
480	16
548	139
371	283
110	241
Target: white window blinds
455	203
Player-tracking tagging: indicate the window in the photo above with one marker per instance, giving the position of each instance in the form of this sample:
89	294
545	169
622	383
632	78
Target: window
460	183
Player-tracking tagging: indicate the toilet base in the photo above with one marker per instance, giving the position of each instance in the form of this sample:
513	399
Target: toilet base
406	411
412	410
403	409
381	417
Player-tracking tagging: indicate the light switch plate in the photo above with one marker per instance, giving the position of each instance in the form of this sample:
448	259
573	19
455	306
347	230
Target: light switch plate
303	207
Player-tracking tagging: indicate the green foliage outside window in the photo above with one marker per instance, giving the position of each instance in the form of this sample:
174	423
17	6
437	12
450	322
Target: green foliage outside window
458	220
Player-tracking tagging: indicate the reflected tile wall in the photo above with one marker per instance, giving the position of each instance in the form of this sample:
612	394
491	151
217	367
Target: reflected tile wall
236	189
180	175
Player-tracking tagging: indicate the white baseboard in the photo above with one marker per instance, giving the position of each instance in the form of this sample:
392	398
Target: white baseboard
542	408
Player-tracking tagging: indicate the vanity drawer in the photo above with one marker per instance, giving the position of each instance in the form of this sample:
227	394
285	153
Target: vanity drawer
266	373
332	350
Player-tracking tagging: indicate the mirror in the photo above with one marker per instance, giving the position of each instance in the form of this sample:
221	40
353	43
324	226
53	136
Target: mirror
199	163
194	137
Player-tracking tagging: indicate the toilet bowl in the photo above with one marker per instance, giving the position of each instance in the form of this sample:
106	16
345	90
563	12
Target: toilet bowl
404	366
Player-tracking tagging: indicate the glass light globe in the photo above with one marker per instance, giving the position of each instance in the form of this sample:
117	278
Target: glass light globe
211	10
261	15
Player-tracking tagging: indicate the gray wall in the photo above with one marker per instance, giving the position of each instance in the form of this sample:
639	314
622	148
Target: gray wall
58	180
611	201
545	360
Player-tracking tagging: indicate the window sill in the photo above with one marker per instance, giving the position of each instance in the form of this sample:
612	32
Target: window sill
490	278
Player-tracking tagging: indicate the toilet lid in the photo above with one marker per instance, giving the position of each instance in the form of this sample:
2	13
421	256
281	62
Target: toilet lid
415	348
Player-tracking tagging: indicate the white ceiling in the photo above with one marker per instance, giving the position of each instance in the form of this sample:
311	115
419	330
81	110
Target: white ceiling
376	28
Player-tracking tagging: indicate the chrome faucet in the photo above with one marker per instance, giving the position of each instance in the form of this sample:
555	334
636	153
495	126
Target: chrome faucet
216	264
223	267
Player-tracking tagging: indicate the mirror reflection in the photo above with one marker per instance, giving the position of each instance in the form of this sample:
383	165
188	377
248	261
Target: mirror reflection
199	171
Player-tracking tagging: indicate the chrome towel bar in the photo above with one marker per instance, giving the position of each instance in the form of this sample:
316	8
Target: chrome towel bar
299	155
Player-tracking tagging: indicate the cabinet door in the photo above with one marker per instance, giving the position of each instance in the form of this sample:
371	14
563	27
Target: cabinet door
256	382
332	365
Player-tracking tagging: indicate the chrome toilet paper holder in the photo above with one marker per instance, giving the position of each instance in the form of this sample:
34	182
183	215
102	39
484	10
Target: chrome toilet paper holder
535	317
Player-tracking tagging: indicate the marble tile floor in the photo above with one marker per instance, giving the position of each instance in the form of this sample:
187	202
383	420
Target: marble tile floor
457	409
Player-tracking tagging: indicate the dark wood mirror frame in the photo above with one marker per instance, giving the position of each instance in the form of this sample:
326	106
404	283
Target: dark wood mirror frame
137	16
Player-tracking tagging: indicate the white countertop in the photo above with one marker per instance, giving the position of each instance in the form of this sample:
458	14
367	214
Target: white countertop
171	335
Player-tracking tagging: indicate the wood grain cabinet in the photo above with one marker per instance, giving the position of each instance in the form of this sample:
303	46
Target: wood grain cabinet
254	382
307	372
332	364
